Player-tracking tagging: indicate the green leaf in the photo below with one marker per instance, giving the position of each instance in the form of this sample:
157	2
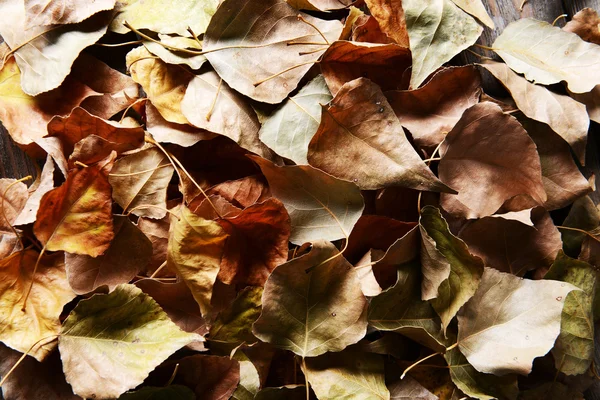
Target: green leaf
574	348
177	392
110	343
347	375
311	307
290	128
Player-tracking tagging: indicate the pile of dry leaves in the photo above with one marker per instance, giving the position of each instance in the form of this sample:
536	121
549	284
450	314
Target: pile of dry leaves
284	204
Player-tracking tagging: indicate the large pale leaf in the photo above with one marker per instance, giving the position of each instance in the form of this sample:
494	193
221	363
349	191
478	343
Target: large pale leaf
290	128
46	53
164	16
256	47
320	206
346	147
574	348
129	252
196	246
564	115
77	216
438	30
510	321
546	54
488	158
311	312
110	343
444	250
21	329
347	375
51	12
141	179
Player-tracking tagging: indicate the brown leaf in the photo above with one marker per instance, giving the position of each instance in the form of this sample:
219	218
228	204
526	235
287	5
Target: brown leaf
157	231
367	29
585	24
476	9
382	63
390	15
13	198
170	132
346	147
409	389
489	158
320	5
22	328
129	252
564	115
432	110
511	246
243	192
77	216
591	101
258	242
50	12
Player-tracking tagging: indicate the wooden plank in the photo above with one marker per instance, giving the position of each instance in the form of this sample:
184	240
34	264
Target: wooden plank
572	6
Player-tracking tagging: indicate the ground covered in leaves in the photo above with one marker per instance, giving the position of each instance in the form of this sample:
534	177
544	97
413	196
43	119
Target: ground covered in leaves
283	200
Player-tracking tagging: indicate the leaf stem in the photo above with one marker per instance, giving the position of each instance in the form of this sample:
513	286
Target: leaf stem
28	177
304	53
306	379
119	44
284	71
522	5
484	47
129	107
558	18
5	377
212	105
18	47
579	230
301	19
166	46
172	378
189	29
163	265
419	362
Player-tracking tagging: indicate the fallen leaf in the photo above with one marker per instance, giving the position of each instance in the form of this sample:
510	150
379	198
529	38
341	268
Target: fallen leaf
354	15
297	303
13	201
585	25
451	274
574	348
409	389
591	101
319	205
77	216
488	158
157	231
383	64
526	323
476	9
254	56
345	145
196	247
140	181
511	246
529	47
170	132
290	128
164	16
243	192
437	30
52	12
564	115
165	49
431	111
347	375
390	16
129	252
160	393
583	215
45	54
249	379
100	331
23	328
364	271
43	184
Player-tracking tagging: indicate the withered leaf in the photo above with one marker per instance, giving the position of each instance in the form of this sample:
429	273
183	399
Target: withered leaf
488	158
591	101
22	328
77	216
157	231
585	24
390	16
311	312
129	252
529	47
346	147
13	198
140	181
165	49
319	205
257	56
476	9
170	132
243	192
526	322
51	12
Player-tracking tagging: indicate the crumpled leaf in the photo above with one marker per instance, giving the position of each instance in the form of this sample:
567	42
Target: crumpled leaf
390	16
46	53
451	274
290	128
347	375
526	322
164	131
129	252
110	343
160	393
585	25
319	205
529	47
476	9
409	389
488	158
438	30
574	348
564	115
140	181
431	111
43	185
259	47
313	312
21	329
511	246
164	16
77	216
345	146
51	12
196	246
